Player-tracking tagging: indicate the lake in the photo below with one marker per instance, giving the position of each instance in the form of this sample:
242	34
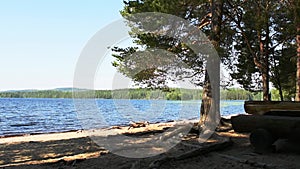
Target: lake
28	116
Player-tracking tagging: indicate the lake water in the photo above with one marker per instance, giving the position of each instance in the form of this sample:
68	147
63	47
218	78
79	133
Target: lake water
24	116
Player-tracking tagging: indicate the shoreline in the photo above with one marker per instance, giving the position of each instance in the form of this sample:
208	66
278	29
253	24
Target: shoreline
97	129
31	134
68	146
122	125
84	133
76	150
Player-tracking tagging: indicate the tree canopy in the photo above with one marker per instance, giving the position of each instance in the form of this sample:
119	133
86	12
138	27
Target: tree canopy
256	41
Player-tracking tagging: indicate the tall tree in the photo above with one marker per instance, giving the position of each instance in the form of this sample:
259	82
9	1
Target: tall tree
259	36
283	56
295	7
252	45
205	14
216	10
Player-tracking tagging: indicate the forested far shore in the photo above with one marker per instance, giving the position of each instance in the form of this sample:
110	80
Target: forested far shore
173	94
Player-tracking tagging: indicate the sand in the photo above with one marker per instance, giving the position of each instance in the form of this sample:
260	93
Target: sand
76	150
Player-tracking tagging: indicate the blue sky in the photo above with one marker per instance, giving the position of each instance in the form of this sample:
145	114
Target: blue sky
40	41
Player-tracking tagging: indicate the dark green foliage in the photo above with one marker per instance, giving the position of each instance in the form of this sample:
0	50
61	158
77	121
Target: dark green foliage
182	62
264	44
172	94
256	43
37	94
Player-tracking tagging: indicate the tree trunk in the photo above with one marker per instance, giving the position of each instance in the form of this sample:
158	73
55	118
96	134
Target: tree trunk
280	92
266	61
206	100
264	65
265	79
262	60
297	23
278	81
216	21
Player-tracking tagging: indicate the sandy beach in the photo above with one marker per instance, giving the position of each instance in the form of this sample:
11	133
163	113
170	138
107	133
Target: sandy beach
81	149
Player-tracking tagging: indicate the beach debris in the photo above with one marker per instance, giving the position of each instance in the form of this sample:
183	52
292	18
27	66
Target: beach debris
138	124
115	127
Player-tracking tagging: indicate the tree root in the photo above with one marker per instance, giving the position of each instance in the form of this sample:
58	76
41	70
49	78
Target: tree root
201	150
249	162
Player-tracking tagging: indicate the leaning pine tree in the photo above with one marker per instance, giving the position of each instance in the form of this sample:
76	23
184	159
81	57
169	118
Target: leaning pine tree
135	62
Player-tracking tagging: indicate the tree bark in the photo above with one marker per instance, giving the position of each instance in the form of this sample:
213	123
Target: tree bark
277	79
297	23
216	21
267	95
264	57
265	81
206	100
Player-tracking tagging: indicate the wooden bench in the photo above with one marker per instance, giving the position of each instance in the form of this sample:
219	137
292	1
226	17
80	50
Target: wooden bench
268	121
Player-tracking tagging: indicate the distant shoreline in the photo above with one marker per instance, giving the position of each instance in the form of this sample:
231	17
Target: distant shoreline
156	94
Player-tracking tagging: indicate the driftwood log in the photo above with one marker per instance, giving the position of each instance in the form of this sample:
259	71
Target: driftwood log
138	124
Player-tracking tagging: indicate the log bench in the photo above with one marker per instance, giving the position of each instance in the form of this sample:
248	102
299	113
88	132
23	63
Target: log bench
268	121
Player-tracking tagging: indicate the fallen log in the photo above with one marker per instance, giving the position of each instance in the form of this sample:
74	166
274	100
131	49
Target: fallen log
262	140
276	108
278	126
